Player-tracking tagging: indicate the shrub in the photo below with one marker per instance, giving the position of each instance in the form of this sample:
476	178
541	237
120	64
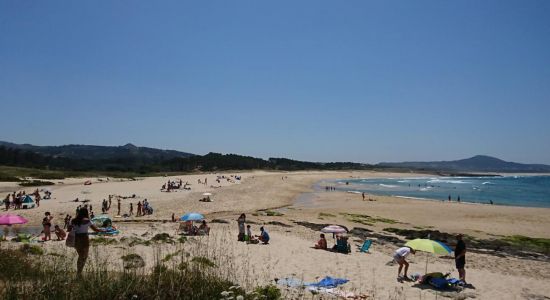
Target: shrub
269	292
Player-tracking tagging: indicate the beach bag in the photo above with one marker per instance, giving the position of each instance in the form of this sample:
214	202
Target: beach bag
69	242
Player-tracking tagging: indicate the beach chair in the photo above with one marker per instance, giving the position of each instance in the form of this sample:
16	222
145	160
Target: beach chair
366	246
342	246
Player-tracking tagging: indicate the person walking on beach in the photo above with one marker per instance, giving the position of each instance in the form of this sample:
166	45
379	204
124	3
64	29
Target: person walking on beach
460	257
449	197
131	209
363	194
399	257
80	224
241	221
458	199
118	208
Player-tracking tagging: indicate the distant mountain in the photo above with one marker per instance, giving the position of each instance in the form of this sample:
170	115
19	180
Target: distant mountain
478	163
100	152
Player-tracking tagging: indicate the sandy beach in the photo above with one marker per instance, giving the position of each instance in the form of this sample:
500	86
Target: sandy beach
493	275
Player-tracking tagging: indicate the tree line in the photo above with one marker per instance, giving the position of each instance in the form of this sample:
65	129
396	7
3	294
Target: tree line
143	165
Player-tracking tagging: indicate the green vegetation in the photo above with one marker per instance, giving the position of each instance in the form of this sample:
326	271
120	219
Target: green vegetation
130	161
367	220
132	241
25	276
271	213
323	215
203	261
101	240
162	238
268	292
36	183
539	245
32	249
133	261
169	256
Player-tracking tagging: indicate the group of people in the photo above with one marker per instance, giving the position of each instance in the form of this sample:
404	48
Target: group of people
47	228
174	185
15	200
247	236
401	254
341	244
191	229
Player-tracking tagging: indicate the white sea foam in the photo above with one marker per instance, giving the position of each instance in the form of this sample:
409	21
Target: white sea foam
487	182
354	192
406	197
387	185
447	181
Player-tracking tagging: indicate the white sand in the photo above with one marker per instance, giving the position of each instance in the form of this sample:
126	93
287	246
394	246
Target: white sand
289	253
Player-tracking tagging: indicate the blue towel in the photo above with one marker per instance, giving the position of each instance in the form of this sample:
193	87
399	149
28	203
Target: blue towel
329	282
439	283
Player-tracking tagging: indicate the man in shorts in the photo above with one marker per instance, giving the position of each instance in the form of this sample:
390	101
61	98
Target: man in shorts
460	257
399	257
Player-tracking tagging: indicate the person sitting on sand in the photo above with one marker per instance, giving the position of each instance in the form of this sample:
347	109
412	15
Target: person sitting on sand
264	236
60	233
399	257
204	229
322	243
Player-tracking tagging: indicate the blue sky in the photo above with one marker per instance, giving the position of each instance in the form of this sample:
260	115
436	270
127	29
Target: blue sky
364	81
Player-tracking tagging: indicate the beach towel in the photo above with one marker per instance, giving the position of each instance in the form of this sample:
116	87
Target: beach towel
366	246
439	283
329	282
291	282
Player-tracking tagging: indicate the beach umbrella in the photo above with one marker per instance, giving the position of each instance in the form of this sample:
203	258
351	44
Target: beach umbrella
334	229
430	246
192	217
9	219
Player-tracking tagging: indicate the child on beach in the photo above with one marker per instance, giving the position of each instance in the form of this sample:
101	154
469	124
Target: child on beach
60	233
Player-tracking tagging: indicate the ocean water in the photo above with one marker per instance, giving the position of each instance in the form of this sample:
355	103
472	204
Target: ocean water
530	191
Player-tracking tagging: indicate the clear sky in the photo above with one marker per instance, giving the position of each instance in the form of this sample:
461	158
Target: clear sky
363	81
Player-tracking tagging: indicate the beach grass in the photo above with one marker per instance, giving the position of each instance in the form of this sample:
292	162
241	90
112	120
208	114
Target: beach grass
366	219
539	245
25	276
30	183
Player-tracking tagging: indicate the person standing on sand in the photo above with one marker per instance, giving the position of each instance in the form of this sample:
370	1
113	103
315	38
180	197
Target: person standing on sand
241	221
458	199
460	257
47	225
80	225
131	209
138	213
363	194
118	207
399	257
449	197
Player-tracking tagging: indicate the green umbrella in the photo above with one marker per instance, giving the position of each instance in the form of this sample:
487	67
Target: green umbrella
430	246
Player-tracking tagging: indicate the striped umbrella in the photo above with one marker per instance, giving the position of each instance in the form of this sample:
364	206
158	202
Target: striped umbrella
334	229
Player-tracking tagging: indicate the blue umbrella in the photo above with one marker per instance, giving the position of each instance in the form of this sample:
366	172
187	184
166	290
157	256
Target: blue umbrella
192	217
